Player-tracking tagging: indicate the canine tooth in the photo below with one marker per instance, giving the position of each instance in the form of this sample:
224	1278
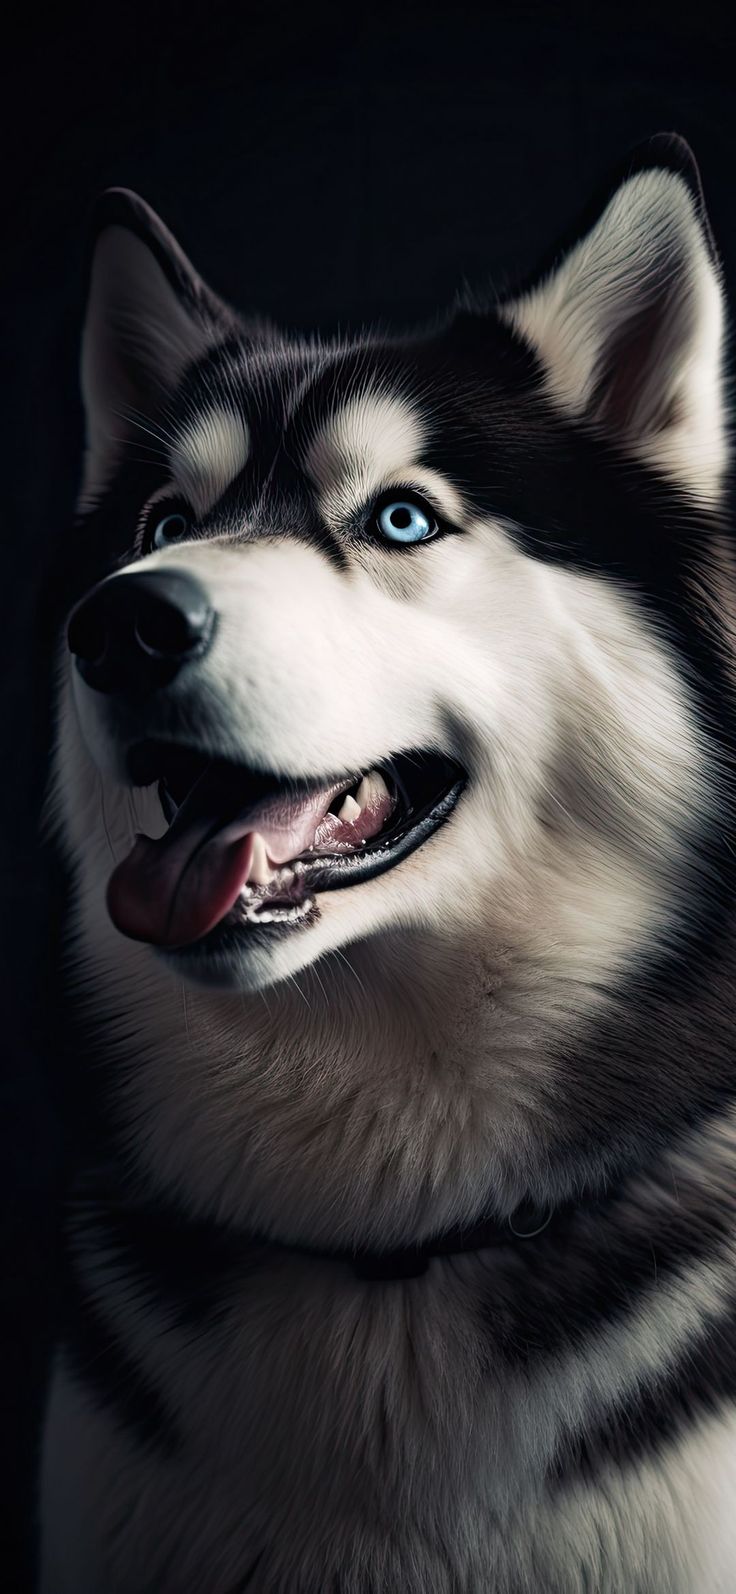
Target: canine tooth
350	808
371	790
363	792
260	872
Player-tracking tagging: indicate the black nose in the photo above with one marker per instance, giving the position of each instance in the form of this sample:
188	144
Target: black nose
133	633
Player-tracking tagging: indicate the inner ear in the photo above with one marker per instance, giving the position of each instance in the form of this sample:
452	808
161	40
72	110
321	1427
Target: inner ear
636	387
139	335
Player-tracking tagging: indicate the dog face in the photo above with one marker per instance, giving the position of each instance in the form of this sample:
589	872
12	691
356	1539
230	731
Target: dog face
395	641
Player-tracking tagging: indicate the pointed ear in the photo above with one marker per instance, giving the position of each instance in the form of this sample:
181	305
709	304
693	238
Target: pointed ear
628	326
148	316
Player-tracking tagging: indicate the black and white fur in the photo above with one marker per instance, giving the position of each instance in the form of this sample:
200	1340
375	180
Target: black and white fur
537	1004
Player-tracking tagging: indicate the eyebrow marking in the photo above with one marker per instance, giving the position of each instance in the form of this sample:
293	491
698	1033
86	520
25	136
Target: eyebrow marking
208	454
353	453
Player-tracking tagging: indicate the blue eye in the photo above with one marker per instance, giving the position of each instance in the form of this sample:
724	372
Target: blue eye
171	528
402	521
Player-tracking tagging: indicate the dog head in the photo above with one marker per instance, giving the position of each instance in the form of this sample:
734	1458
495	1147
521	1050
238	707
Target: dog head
395	642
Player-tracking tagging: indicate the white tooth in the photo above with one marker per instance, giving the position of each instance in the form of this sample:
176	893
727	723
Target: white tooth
350	809
364	791
260	872
372	790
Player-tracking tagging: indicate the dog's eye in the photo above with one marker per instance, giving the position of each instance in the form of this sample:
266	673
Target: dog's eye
402	521
170	528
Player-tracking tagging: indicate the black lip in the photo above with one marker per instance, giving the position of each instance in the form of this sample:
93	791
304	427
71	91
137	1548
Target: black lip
414	826
428	786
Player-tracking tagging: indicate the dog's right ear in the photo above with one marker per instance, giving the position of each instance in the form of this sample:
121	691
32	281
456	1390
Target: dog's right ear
149	315
628	326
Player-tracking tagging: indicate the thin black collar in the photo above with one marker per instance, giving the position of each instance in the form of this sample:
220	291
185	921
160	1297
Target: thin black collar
405	1262
213	1240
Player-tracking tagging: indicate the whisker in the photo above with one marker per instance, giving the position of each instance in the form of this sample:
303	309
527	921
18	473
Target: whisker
293	981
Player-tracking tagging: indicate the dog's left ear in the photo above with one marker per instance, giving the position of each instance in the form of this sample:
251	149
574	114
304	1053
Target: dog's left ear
149	315
628	326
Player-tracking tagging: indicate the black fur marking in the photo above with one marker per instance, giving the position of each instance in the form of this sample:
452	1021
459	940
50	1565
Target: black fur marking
97	1357
702	1384
328	543
595	1265
269	497
245	1582
186	1267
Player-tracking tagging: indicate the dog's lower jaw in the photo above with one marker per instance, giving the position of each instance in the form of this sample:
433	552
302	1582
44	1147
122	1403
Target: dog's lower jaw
328	924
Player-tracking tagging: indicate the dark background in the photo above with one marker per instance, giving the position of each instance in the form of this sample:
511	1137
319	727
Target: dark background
326	165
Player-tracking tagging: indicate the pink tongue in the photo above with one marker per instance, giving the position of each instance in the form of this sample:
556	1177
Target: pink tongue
170	893
174	890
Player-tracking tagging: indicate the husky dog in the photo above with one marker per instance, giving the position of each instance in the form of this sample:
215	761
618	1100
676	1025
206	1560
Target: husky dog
394	774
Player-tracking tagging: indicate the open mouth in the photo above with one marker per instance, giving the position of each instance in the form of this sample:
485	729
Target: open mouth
246	851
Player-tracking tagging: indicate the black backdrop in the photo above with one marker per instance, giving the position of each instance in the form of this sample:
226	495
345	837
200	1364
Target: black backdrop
327	165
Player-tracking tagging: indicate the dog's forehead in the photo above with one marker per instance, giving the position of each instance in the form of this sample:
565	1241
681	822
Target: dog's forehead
347	424
360	446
